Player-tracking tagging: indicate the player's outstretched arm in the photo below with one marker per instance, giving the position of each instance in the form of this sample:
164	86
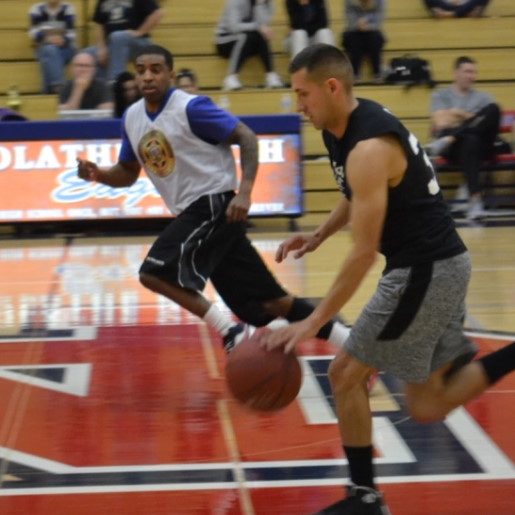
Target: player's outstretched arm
303	243
299	244
337	219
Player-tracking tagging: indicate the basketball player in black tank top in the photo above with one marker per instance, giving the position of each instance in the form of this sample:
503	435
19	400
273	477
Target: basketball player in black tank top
412	325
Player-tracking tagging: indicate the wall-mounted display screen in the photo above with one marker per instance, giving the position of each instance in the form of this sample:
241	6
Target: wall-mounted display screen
38	172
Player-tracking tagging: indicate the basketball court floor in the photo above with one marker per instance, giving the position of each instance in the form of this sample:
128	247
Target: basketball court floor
113	400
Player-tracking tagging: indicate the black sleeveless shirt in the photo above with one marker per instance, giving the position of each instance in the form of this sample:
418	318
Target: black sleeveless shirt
418	227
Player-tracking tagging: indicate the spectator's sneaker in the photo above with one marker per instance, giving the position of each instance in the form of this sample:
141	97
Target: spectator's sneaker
231	82
461	199
234	336
272	80
476	210
360	500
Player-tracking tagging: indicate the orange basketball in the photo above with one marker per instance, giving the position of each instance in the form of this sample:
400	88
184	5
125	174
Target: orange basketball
262	380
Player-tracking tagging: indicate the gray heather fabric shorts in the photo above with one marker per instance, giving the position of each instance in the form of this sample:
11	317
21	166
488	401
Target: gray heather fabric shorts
413	323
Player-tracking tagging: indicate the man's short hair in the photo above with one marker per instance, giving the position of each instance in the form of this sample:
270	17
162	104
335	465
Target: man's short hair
463	60
155	50
324	61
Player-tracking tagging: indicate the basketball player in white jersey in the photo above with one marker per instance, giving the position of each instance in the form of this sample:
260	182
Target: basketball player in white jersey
413	325
183	142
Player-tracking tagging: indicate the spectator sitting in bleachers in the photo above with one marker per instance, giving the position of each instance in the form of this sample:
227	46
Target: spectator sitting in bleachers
456	8
122	27
187	81
84	90
243	31
363	36
309	24
52	31
466	123
125	92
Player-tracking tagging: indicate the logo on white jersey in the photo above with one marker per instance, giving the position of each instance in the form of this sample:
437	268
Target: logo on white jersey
156	153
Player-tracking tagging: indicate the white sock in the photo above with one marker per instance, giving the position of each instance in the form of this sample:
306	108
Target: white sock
277	323
339	333
217	320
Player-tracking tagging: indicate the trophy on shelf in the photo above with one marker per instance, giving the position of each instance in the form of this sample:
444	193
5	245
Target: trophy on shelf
13	98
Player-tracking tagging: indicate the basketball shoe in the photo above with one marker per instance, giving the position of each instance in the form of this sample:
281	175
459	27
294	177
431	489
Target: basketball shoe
360	500
233	337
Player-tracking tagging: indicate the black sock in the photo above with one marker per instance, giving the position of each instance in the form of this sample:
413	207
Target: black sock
301	309
499	363
360	465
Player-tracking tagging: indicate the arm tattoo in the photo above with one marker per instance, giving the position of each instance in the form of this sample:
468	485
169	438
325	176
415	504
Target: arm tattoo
247	141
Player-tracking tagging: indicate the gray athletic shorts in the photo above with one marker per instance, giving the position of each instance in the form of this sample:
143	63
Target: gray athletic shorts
413	323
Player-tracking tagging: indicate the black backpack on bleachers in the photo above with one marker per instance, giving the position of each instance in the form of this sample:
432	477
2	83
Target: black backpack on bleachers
409	71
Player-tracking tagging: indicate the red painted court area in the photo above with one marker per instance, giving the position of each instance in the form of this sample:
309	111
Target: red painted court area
113	401
137	420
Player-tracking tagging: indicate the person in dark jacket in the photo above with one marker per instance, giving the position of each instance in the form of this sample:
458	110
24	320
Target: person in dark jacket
363	37
309	23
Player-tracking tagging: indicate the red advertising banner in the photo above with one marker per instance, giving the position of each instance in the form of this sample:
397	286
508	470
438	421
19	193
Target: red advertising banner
38	182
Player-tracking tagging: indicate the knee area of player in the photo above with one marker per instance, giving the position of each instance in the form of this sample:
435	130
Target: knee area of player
425	413
426	407
341	376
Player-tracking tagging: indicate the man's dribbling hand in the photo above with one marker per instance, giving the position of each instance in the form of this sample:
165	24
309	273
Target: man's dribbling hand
287	337
300	243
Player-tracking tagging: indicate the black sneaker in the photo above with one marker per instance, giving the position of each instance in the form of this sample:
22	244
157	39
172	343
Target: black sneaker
360	500
233	337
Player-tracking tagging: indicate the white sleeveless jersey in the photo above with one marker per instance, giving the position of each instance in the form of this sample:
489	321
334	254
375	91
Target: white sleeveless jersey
181	166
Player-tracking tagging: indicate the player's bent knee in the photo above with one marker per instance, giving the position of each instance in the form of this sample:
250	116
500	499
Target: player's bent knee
343	376
425	412
426	417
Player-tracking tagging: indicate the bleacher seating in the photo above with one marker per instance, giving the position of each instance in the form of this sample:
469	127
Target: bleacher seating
187	30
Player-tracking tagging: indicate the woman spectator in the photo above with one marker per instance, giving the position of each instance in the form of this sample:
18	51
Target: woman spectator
125	92
308	23
84	91
363	36
52	31
243	31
